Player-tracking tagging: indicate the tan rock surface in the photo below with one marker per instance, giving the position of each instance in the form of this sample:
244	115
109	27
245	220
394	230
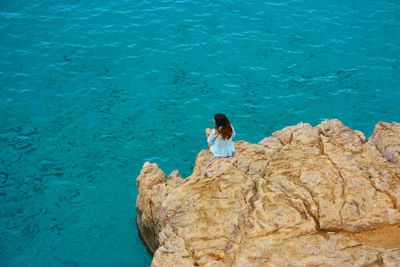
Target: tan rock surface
386	138
306	196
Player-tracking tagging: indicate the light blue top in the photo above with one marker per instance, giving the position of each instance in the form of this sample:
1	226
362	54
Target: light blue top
219	147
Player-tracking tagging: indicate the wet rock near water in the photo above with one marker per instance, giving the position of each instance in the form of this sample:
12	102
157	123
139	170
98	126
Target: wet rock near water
306	196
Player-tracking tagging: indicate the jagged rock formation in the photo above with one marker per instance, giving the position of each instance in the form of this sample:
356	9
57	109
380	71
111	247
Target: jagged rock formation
387	141
306	196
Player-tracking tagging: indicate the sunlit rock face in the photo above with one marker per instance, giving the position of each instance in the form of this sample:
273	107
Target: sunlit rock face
306	196
387	141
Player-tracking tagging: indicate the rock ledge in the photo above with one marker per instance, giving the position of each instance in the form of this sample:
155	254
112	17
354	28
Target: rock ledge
306	196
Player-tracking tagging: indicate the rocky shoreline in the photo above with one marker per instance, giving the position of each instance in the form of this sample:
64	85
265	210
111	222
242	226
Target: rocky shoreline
306	196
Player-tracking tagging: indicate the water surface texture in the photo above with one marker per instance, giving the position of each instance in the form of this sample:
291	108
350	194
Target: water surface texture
90	90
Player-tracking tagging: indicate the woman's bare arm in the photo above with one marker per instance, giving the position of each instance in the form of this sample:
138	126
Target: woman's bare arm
208	131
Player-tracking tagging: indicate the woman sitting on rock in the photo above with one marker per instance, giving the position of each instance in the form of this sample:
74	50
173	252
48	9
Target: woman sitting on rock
220	137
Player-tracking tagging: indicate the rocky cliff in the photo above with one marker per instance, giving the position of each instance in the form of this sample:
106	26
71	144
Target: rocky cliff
306	196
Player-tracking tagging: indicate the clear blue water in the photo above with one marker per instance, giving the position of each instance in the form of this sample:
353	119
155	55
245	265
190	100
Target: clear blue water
90	90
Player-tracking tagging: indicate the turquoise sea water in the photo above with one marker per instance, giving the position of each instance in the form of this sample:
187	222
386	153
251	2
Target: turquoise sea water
90	90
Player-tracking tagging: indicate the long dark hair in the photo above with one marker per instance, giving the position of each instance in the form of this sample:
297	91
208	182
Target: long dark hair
223	126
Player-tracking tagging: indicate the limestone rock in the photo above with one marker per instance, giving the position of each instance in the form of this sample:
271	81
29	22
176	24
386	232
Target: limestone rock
319	196
386	137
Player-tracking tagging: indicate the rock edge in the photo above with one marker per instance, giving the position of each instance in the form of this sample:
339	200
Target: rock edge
322	196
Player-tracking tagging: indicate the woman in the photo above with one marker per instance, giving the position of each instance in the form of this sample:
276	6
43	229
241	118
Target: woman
220	137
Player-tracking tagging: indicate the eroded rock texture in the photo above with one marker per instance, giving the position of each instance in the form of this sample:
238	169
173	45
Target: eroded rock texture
306	196
386	138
